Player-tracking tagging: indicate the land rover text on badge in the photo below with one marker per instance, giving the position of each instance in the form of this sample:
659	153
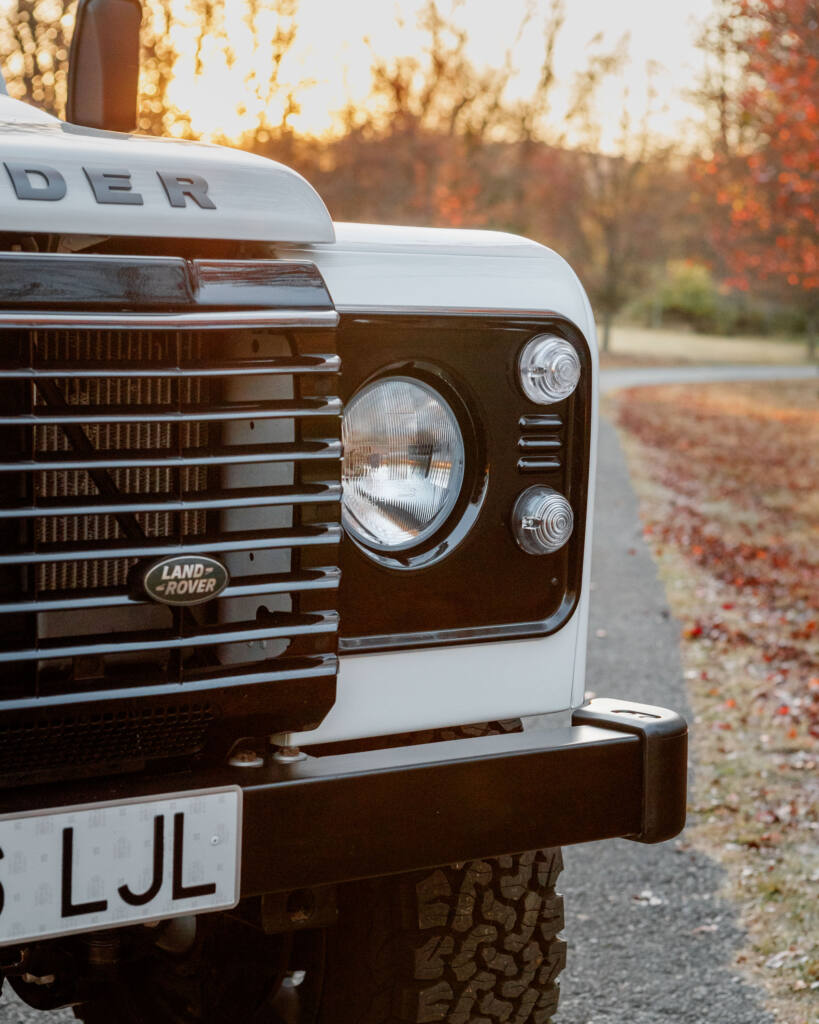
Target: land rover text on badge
185	580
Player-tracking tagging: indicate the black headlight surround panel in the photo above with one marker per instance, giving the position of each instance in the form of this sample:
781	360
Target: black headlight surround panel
485	587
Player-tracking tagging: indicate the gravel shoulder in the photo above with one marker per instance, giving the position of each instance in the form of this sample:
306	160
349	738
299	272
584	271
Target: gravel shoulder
650	938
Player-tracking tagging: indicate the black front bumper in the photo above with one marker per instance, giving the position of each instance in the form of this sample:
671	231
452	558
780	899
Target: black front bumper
619	770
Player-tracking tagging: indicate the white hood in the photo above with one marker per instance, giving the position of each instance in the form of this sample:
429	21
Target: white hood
104	183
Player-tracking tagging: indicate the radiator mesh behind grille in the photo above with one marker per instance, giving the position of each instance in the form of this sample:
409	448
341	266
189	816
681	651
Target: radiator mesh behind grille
71	742
110	348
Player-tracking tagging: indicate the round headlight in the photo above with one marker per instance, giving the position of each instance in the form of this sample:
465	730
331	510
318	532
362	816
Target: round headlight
403	463
549	369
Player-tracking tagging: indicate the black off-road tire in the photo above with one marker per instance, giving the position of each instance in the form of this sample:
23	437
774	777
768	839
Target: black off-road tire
467	944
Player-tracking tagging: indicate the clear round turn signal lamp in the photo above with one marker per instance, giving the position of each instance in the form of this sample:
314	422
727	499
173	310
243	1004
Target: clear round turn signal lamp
548	369
542	520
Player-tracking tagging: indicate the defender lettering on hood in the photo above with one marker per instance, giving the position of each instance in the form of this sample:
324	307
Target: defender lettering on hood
63	179
109	186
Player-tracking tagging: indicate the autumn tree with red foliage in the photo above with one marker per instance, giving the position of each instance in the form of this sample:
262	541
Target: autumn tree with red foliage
764	173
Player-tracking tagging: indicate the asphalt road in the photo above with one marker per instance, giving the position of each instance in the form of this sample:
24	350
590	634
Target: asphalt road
629	377
650	940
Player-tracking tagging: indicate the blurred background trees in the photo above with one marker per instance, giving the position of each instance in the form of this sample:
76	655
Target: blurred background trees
720	234
762	177
34	40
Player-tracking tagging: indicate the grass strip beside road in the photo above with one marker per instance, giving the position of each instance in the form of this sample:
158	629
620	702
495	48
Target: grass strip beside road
648	346
728	481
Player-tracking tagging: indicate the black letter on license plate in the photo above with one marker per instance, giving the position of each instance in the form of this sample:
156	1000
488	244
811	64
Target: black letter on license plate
69	908
180	891
159	866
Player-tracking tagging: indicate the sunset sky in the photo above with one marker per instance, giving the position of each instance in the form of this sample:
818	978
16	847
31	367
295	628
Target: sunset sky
331	52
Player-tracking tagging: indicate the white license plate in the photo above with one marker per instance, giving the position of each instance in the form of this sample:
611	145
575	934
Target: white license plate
80	868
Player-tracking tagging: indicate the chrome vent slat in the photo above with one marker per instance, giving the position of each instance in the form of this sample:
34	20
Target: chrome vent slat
287	668
534	444
541	421
545	464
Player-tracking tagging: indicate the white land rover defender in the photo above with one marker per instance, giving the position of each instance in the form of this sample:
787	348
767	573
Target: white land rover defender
288	506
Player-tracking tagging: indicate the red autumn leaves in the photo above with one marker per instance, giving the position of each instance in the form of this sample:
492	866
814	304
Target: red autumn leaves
738	468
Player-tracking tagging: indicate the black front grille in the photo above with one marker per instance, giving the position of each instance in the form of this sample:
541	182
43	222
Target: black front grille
119	447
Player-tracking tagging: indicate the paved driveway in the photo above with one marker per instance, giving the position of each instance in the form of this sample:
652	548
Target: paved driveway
650	939
629	377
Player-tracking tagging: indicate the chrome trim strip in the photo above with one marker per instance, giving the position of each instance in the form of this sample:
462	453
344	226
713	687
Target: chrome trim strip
312	666
467	635
302	494
467	311
309	579
218	320
288	409
256	540
247	368
297	625
284	452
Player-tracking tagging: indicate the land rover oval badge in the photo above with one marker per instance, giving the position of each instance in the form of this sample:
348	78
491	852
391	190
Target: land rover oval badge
185	579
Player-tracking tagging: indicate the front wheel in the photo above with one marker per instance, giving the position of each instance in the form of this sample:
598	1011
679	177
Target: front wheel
467	944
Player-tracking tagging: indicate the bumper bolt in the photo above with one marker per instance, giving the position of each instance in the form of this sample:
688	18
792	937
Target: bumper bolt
288	755
286	752
245	759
